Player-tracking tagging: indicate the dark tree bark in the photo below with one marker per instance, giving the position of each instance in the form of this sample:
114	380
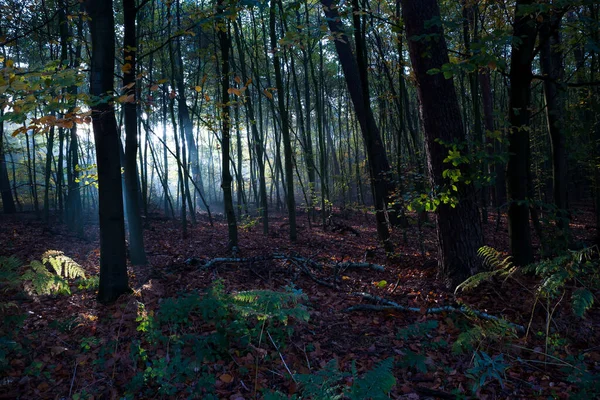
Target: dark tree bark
379	167
137	254
74	215
458	229
225	43
517	169
8	204
285	129
113	267
551	58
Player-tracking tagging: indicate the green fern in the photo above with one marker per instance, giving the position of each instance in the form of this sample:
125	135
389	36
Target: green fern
496	262
375	384
325	384
582	300
492	331
575	268
278	306
43	282
63	266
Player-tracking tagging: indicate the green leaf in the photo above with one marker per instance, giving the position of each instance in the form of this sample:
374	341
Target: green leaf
582	300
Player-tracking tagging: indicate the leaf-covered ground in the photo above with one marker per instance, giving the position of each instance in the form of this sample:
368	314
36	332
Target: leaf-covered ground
71	347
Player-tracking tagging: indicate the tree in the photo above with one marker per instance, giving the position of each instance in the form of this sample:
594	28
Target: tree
8	203
137	254
285	128
113	267
518	168
458	227
225	43
551	60
379	167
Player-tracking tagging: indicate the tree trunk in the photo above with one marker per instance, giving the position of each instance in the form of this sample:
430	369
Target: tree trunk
8	203
137	254
225	44
113	267
551	56
379	167
285	129
458	228
517	169
256	137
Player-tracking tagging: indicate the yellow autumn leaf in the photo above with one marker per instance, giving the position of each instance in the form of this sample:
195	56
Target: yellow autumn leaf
206	97
10	63
235	91
237	79
268	94
198	89
126	67
226	378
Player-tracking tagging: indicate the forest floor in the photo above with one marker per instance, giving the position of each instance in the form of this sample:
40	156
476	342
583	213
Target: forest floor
71	347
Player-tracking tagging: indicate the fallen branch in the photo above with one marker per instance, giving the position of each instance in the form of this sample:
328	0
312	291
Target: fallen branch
276	256
391	305
375	267
311	276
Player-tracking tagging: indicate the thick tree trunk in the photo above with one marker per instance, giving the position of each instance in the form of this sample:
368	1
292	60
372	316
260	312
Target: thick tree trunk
458	228
517	169
113	267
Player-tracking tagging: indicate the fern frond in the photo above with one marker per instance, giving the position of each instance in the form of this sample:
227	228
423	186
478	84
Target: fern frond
493	258
63	265
44	282
324	384
496	262
271	304
582	300
376	383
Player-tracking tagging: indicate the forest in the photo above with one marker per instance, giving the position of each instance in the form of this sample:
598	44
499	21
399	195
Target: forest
299	199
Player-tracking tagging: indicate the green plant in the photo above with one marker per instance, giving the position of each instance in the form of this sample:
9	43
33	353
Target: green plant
40	281
328	383
586	381
87	343
63	266
90	283
486	368
574	270
248	222
497	265
489	331
198	328
9	280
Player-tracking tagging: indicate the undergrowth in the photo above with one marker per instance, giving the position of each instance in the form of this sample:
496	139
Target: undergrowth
574	275
202	328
